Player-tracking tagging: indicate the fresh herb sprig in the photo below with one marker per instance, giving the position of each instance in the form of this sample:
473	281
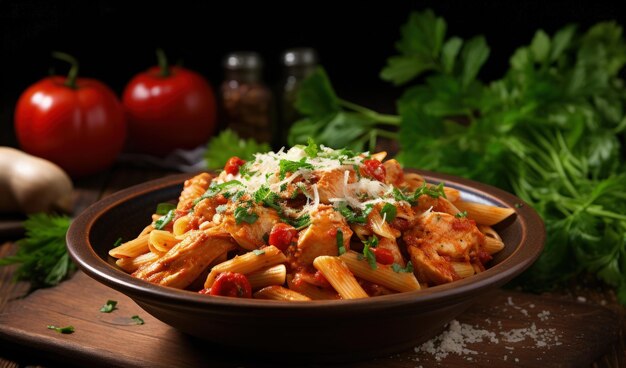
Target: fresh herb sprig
551	130
228	144
42	253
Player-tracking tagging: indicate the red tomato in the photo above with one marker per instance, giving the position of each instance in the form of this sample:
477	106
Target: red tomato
231	284
374	169
282	235
383	256
233	164
80	127
169	108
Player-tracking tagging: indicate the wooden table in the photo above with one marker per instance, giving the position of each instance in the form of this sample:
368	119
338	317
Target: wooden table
578	327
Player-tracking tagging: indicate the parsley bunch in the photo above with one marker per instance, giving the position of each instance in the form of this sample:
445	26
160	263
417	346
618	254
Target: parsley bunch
551	130
42	254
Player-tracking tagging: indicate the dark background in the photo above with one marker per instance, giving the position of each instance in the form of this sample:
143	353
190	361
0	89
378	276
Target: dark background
115	40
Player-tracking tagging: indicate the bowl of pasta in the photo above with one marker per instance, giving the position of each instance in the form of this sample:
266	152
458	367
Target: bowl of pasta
321	253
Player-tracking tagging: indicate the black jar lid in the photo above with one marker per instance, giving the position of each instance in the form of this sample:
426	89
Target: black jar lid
243	60
302	56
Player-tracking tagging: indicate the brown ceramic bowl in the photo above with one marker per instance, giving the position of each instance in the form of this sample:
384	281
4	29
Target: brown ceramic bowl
322	330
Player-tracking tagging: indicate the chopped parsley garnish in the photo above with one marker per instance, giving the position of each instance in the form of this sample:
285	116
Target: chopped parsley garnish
301	222
372	242
293	166
354	216
163	221
311	149
215	189
341	249
117	243
461	214
434	192
109	307
137	320
243	214
63	330
389	212
258	252
164	208
266	197
399	269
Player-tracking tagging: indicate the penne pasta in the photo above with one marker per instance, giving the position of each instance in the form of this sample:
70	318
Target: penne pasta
340	277
132	264
131	248
274	275
312	291
162	241
493	245
181	225
276	292
382	275
484	214
463	269
247	263
339	223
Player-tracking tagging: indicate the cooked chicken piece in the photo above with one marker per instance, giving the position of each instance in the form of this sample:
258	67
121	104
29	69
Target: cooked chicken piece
182	264
429	267
251	236
330	184
440	204
393	172
320	238
192	189
438	238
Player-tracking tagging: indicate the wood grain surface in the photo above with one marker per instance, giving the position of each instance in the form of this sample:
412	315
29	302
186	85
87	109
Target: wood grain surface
567	334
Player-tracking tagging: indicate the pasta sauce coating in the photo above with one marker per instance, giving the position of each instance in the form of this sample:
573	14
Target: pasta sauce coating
312	223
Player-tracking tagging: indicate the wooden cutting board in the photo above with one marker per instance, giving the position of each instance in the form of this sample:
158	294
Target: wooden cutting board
516	329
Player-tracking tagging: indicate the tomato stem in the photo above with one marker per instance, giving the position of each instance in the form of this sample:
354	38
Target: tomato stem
162	62
72	75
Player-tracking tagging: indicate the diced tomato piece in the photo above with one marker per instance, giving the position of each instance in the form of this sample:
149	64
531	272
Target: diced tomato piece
374	169
231	284
282	235
383	256
233	164
320	280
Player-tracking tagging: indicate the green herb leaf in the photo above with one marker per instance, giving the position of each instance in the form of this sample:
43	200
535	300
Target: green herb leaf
341	249
109	306
228	144
42	254
164	208
118	242
316	96
137	320
354	216
63	330
372	242
389	212
164	220
311	149
243	214
266	197
461	214
301	222
399	269
293	166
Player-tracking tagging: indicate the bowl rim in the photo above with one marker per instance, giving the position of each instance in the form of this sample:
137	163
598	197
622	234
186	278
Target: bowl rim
525	253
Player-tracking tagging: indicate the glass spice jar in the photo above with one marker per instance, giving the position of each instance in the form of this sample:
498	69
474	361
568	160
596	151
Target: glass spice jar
246	101
297	63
